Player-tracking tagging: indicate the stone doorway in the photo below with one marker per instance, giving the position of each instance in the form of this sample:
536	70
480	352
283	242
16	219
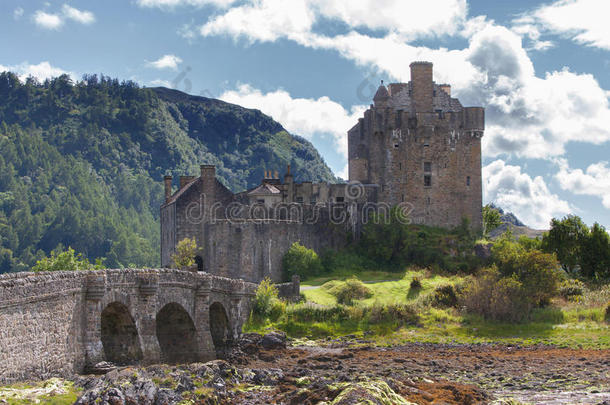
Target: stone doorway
176	335
219	329
120	335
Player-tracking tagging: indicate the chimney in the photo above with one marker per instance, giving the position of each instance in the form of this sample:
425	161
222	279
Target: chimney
446	88
288	176
168	187
422	86
184	180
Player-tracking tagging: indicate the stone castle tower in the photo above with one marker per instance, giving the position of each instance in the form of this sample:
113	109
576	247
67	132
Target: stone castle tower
421	147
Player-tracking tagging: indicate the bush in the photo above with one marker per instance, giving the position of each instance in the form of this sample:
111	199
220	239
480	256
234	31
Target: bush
266	299
415	283
302	261
444	296
349	290
497	298
402	313
607	313
571	288
185	253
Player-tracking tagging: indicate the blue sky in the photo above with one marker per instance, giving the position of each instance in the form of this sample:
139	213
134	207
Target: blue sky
539	68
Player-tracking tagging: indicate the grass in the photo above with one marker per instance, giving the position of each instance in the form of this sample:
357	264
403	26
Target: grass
576	323
50	392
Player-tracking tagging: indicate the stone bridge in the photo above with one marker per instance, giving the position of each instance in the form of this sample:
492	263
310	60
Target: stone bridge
62	323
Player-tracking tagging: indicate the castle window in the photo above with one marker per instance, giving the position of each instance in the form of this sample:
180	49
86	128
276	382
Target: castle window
428	201
399	166
468	180
340	199
440	114
403	198
428	167
427	180
312	200
260	201
300	200
433	93
396	145
426	141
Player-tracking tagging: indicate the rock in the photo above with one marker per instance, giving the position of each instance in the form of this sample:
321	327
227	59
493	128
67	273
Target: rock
274	340
102	367
167	397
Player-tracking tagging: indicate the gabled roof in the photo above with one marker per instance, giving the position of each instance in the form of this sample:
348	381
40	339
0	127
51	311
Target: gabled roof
265	189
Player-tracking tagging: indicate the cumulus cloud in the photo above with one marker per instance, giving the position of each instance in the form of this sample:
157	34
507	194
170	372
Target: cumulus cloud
593	181
301	116
527	115
83	17
41	71
166	62
528	198
581	20
54	21
268	20
48	21
170	4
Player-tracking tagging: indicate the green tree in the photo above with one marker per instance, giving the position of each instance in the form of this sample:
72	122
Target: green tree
595	252
301	261
67	260
185	253
565	239
491	219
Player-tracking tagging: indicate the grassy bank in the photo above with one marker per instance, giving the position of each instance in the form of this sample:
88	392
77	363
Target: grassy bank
396	313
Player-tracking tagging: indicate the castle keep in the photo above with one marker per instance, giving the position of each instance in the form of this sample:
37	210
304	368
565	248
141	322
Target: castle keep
416	147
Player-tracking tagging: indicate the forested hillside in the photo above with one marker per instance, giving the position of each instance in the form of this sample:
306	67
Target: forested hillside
81	163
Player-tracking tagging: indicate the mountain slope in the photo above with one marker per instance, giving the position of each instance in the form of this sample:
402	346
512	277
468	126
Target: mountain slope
81	164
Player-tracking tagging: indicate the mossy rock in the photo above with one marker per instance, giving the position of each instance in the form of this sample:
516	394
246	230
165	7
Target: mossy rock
368	393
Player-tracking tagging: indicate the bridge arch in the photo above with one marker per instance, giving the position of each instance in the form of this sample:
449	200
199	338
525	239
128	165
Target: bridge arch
219	328
176	334
119	335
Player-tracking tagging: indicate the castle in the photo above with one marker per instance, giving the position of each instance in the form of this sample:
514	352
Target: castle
416	147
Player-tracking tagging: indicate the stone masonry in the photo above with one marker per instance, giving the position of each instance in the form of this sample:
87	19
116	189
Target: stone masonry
62	323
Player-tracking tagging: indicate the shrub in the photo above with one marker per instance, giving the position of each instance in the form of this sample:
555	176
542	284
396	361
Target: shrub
402	313
415	283
349	290
302	261
185	253
266	299
66	261
607	313
571	288
497	298
444	296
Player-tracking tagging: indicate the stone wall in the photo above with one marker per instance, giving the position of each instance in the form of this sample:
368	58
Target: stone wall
56	324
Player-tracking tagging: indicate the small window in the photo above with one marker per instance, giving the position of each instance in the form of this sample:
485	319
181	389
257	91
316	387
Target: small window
300	200
312	200
428	200
468	180
440	114
399	166
260	201
427	180
403	198
427	167
340	199
433	93
426	141
396	145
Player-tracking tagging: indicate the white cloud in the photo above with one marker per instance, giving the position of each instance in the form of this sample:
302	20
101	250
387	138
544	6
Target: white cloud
529	199
53	21
48	21
166	62
18	13
169	4
300	116
80	16
594	181
268	20
584	21
161	83
41	71
527	115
